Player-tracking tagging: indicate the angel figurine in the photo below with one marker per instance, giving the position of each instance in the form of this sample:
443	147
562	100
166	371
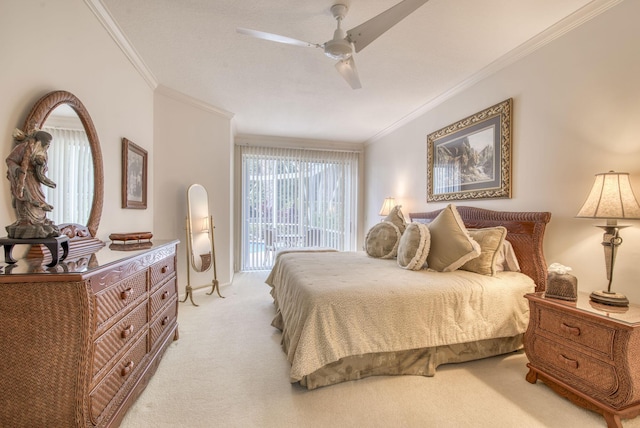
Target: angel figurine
27	168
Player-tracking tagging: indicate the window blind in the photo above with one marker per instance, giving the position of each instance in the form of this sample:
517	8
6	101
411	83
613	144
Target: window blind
71	168
296	198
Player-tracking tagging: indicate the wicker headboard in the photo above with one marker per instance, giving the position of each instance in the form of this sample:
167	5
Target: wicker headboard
525	231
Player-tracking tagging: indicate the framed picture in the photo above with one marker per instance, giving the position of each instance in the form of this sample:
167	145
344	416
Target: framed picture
134	175
471	159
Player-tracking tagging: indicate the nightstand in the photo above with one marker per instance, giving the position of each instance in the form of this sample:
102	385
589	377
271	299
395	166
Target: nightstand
586	352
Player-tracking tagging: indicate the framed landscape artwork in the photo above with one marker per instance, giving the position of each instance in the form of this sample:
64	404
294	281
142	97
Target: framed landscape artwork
471	159
134	175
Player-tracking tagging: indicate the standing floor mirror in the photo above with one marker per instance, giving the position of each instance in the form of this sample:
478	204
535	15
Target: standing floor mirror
201	252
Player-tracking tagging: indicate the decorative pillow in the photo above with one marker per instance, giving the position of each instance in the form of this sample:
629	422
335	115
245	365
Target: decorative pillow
491	240
413	248
451	245
396	217
382	240
506	259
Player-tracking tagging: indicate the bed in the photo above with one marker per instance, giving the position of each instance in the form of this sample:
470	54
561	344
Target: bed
347	315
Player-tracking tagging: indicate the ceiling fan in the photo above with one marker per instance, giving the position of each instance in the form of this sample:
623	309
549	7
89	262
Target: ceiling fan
342	45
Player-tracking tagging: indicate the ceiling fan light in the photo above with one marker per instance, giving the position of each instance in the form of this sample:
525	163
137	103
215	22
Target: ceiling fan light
338	49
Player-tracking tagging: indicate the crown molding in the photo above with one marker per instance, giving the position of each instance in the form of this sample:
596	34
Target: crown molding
557	30
194	102
121	40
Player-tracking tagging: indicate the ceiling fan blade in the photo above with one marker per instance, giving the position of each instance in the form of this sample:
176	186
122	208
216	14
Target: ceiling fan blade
347	68
276	38
367	32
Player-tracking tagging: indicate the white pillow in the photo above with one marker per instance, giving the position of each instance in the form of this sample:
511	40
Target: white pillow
506	259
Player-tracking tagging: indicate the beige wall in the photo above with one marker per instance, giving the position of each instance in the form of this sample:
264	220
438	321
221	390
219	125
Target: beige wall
193	144
576	113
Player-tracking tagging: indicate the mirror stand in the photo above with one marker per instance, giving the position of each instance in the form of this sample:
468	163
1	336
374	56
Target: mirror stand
201	253
188	288
215	286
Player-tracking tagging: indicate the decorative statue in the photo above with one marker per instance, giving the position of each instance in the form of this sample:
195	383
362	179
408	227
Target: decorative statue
27	168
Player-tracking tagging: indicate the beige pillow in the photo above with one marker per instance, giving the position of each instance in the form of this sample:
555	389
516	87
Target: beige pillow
491	240
451	245
382	240
413	248
396	217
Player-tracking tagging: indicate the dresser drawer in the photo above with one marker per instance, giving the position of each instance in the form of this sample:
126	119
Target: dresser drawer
161	296
118	296
164	321
118	336
126	368
162	270
575	367
595	337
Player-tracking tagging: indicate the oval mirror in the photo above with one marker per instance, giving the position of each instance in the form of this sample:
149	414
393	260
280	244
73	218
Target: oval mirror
70	166
199	228
82	180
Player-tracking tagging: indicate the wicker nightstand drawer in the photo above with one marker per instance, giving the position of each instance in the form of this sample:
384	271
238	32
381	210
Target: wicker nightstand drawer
576	367
586	353
596	337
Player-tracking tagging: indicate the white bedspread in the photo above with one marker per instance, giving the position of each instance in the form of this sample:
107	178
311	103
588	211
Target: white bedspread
337	304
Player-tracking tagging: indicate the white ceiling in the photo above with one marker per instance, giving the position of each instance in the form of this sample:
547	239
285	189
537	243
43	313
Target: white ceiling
273	89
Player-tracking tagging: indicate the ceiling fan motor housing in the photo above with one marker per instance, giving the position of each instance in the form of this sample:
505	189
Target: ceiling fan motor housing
338	47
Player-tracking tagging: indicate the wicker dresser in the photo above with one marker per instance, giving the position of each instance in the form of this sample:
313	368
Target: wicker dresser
587	352
79	341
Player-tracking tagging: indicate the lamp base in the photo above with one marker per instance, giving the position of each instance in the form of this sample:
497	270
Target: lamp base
609	298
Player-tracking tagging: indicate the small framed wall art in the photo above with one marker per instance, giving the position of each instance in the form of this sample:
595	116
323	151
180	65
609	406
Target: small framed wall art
134	175
471	159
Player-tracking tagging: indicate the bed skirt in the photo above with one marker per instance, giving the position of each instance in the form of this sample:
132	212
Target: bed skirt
421	362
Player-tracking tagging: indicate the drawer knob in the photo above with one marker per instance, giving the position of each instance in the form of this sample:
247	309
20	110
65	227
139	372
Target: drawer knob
126	293
165	321
127	369
569	329
568	361
164	269
127	332
165	295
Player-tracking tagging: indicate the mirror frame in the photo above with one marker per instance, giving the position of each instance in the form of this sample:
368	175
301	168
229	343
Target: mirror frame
37	117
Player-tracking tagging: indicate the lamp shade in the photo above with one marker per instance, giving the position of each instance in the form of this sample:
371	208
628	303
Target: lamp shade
387	206
611	197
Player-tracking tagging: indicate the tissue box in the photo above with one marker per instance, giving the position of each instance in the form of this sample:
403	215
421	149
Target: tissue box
562	286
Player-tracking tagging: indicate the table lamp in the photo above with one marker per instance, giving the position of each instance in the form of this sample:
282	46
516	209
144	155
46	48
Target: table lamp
387	206
611	198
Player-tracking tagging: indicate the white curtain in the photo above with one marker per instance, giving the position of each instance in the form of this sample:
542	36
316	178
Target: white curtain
296	198
71	168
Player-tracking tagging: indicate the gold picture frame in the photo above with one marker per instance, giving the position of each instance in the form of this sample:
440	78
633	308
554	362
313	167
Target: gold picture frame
471	159
134	175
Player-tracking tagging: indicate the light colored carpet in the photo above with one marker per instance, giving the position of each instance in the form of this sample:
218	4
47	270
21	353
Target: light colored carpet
228	370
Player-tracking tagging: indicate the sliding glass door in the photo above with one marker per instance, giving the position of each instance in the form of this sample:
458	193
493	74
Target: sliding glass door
296	198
